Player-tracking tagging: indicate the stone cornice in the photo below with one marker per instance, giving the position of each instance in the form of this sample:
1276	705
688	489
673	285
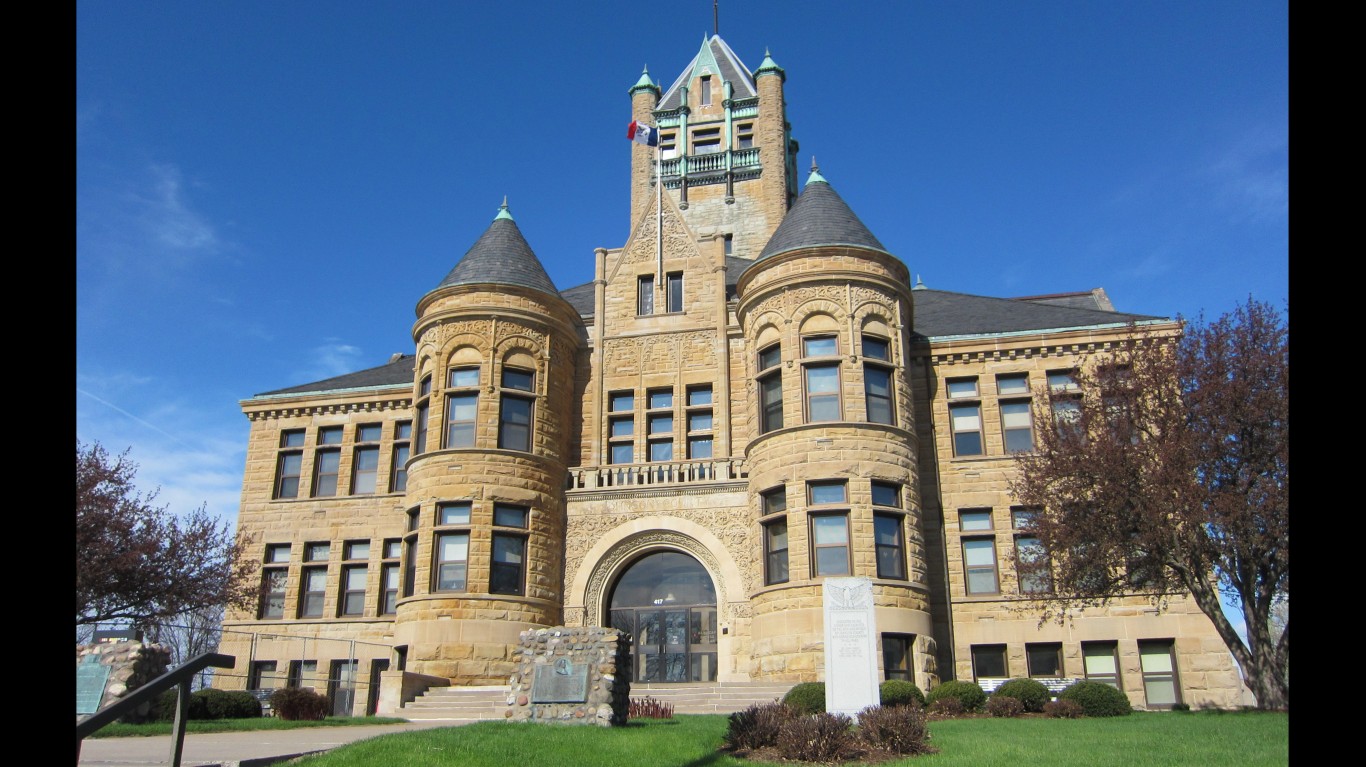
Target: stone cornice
257	410
1033	344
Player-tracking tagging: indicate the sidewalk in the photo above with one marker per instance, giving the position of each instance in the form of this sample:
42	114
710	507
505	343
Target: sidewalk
234	749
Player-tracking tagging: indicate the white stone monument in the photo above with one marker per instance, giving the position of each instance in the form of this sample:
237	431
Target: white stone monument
851	682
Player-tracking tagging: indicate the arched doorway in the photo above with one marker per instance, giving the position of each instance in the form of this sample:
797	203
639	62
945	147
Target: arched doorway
666	601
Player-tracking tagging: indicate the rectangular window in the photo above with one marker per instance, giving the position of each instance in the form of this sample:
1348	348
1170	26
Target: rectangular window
389	585
744	135
622	453
1023	519
461	414
303	673
1011	385
661	450
1066	415
452	554
729	241
668	146
775	551
353	590
507	515
514	419
699	400
364	470
887	494
660	424
1062	380
897	657
674	293
699	448
962	388
327	463
290	464
820	346
509	556
623	402
1017	426
277	553
1101	662
822	393
420	439
706	141
355	550
830	547
398	478
313	593
317	552
891	551
773	501
645	294
826	493
330	435
979	565
621	428
273	582
454	513
877	394
989	661
705	83
1032	566
1044	659
967	429
264	675
770	357
699	396
1157	659
661	398
971	520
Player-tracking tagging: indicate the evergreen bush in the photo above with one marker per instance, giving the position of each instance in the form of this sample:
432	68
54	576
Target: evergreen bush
807	697
898	692
297	703
967	693
1097	699
1030	692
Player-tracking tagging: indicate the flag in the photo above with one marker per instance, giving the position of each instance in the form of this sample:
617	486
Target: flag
643	134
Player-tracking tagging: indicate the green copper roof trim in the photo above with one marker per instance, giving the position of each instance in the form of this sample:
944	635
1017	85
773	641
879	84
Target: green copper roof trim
816	178
503	211
705	58
1018	333
769	66
377	387
644	83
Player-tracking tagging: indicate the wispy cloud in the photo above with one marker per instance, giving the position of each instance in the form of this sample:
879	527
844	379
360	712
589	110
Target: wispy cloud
331	358
169	221
1152	265
1251	175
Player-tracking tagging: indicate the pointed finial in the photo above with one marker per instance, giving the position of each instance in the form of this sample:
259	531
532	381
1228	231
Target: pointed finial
814	169
918	284
503	211
815	176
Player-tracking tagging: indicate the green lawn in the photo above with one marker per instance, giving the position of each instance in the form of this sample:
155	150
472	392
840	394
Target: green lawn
1243	739
119	730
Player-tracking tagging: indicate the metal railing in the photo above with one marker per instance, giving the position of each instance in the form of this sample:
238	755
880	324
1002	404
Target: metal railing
178	677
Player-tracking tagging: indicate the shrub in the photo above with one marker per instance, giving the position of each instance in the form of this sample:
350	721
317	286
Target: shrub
1062	709
967	693
1097	699
228	704
817	738
649	708
1004	706
807	697
946	707
297	703
757	726
1031	693
163	709
898	692
899	729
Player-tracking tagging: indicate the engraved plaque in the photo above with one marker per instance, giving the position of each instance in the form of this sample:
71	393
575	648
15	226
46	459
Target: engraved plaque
91	678
560	681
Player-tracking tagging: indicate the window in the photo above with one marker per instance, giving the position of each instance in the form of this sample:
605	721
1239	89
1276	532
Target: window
1032	566
365	459
729	241
398	479
744	135
1017	426
770	389
1101	662
353	590
507	515
1012	385
897	657
514	419
354	550
668	145
822	380
1157	659
659	421
674	292
389	576
277	553
877	381
452	554
330	435
509	555
454	513
829	530
1044	659
273	582
962	388
264	675
290	464
891	556
645	294
1062	385
979	565
1062	380
462	406
424	388
970	520
303	673
313	593
1023	519
327	464
699	421
621	429
410	554
989	661
706	141
704	86
775	535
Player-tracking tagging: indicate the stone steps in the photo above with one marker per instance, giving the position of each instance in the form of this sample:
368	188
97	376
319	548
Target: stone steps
472	704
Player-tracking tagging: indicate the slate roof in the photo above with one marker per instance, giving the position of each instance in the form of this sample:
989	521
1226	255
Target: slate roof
398	372
1087	299
819	217
940	313
501	256
731	68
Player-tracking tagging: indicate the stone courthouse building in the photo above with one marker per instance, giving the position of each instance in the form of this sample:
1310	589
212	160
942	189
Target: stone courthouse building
749	396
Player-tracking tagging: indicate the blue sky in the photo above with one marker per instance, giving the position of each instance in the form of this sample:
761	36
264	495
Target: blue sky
265	189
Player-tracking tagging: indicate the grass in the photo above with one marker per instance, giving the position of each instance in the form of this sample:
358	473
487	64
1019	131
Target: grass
1241	739
120	730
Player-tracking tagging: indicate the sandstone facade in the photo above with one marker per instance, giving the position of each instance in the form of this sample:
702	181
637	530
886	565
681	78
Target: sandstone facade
747	398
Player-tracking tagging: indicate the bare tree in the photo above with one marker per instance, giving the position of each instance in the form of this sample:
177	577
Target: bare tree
189	635
136	562
1167	471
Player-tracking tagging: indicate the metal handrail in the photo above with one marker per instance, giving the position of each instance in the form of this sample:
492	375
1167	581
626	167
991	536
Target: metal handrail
179	677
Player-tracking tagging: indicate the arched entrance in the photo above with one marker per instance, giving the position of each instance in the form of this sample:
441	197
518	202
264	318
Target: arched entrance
666	601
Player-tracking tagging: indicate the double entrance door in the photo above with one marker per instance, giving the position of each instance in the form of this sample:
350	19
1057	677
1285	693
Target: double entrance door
670	644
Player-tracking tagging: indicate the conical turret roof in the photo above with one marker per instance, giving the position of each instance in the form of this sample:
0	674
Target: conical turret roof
501	256
819	217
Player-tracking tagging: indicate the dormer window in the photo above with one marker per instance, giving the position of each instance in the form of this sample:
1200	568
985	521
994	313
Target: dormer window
705	91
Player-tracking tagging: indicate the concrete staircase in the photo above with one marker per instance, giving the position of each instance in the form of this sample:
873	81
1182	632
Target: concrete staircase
458	705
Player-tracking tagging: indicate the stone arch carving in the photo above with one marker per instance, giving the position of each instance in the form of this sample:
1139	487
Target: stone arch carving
619	547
